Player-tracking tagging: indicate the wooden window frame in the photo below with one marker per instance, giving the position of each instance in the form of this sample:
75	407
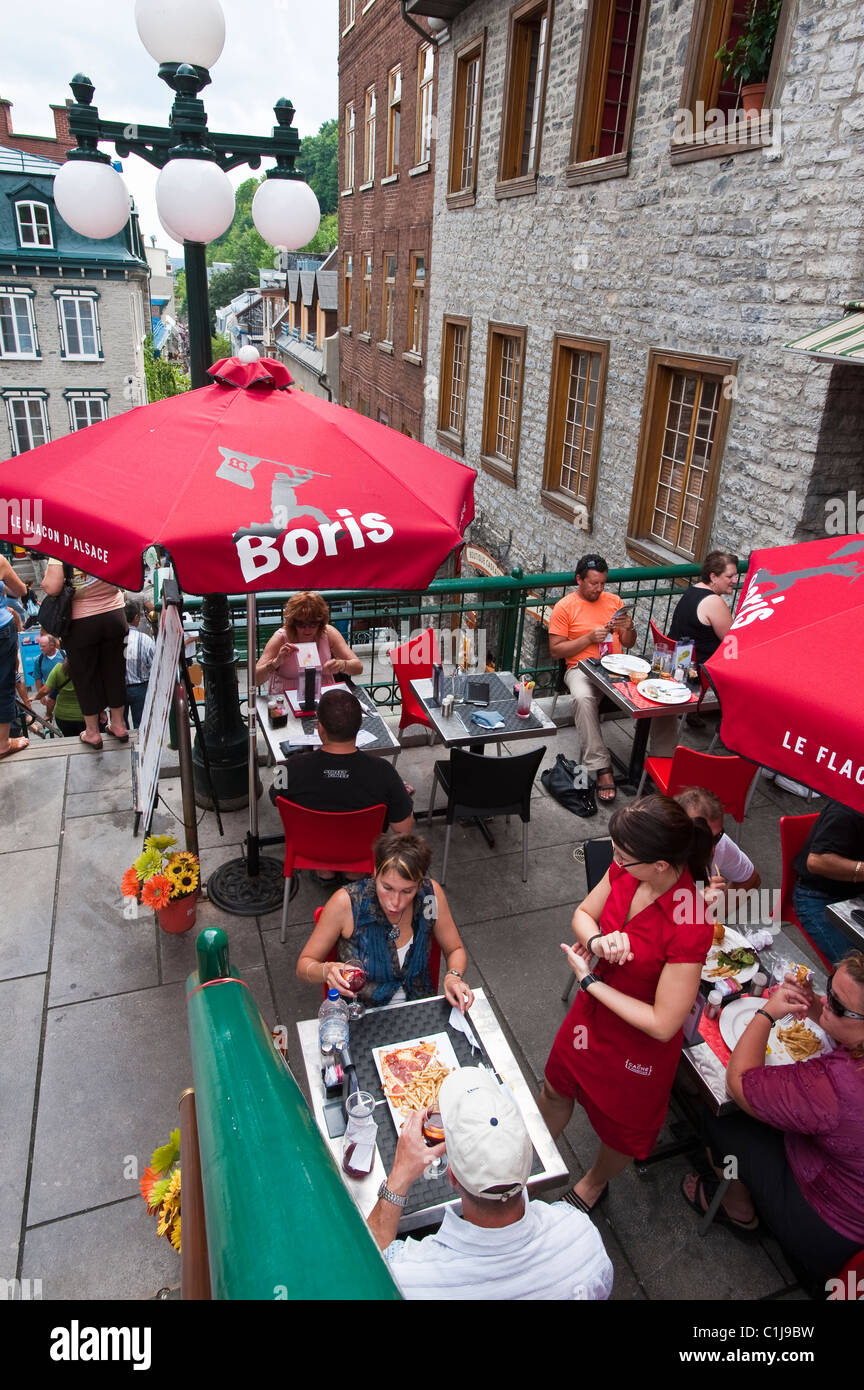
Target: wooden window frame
350	146
422	155
414	351
590	87
552	496
13	292
87	398
503	469
391	165
707	32
454	440
10	397
350	15
33	204
347	289
640	545
386	342
370	120
365	332
474	48
78	297
510	185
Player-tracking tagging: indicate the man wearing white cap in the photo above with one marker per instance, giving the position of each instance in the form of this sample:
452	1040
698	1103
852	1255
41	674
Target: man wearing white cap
503	1246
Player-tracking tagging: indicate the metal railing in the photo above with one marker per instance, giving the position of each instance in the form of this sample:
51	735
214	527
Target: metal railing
501	620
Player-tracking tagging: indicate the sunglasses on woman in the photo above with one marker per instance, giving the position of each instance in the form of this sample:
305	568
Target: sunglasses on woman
836	1007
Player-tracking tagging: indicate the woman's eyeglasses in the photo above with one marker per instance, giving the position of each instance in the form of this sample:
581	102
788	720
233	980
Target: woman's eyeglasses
836	1007
628	863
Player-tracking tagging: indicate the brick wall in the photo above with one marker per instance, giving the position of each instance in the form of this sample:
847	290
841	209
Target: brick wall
394	217
45	145
727	257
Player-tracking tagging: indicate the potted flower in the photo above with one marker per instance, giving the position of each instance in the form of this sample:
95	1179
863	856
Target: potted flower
166	880
160	1188
749	58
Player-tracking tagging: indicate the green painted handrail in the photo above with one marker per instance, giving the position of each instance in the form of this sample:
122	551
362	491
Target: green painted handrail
280	1222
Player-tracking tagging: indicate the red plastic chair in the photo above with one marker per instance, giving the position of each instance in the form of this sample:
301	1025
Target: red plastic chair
327	840
656	633
413	661
729	778
434	959
794	834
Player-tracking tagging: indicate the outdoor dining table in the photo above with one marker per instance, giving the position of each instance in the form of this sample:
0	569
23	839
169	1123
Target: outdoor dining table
284	739
641	710
841	915
397	1023
458	727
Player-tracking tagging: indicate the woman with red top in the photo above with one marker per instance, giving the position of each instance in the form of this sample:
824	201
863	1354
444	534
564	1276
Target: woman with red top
618	1048
799	1144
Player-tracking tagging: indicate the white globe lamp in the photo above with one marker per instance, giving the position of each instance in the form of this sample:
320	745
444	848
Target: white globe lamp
194	197
92	198
192	31
286	213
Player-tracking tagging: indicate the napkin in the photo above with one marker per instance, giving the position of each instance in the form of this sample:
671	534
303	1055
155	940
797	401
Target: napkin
362	1131
460	1024
364	738
487	719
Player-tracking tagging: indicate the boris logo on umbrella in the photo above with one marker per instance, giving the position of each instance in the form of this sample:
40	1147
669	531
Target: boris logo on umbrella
768	589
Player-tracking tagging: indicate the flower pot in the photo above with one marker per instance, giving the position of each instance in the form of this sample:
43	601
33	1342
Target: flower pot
178	915
753	97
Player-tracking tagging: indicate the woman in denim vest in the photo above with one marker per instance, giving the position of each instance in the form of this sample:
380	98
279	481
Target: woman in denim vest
388	923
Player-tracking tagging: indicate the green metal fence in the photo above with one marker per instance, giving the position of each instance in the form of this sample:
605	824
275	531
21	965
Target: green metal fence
501	620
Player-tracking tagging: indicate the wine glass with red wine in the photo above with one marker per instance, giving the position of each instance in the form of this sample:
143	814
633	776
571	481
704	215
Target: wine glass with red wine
355	977
433	1133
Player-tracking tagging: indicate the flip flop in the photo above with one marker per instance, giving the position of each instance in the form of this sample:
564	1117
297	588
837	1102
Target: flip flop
705	1189
16	745
97	747
573	1199
121	738
605	794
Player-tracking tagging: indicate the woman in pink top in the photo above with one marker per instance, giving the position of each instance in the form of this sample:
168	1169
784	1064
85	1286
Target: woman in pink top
306	619
95	646
799	1145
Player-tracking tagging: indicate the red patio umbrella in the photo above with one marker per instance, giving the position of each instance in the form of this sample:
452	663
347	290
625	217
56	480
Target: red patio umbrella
789	673
248	485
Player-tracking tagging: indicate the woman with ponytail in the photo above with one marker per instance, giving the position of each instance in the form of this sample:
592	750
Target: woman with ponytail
617	1050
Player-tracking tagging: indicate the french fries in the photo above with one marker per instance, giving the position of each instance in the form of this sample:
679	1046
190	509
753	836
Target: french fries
800	1041
419	1093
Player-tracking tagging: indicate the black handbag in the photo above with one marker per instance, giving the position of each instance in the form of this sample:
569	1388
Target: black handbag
568	783
55	613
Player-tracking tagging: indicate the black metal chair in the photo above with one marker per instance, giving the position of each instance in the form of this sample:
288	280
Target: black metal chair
484	787
598	857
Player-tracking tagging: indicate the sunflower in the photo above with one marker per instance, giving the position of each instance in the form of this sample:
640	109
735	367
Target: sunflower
156	892
130	885
182	870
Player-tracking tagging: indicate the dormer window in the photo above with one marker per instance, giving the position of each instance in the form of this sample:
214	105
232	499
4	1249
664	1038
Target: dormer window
34	224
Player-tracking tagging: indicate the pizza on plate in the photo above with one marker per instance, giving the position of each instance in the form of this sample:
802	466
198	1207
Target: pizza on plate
412	1075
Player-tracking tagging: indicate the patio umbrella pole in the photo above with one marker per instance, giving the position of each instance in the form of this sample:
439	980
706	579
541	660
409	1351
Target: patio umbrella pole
252	886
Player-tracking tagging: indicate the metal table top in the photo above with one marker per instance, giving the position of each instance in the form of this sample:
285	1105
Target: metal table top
841	915
458	729
488	1031
386	744
599	676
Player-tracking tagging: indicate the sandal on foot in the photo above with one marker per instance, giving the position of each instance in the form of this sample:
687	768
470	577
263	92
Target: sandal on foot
573	1199
16	745
88	743
121	738
605	794
703	1194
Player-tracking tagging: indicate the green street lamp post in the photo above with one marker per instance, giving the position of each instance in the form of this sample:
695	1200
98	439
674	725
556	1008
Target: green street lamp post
195	202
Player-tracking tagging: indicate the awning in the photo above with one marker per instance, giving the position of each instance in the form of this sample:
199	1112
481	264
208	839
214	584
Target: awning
840	341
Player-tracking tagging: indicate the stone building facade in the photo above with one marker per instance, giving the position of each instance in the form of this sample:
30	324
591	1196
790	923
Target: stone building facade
74	314
634	394
387	92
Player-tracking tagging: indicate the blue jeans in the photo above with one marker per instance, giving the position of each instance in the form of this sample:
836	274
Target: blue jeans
135	697
810	906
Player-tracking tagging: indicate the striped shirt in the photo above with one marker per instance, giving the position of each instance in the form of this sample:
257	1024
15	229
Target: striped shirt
140	650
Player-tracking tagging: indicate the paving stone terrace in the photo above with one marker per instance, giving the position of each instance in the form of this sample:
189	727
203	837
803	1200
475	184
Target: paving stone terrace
97	1050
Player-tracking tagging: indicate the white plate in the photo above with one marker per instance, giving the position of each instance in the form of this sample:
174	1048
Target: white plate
729	942
665	692
735	1017
625	665
445	1055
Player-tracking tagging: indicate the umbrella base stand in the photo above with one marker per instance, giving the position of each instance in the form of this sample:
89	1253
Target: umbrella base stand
233	889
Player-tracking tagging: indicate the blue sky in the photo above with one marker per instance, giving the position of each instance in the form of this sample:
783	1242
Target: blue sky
276	48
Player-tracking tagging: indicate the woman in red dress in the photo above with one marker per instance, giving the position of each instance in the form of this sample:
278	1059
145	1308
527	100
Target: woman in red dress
617	1050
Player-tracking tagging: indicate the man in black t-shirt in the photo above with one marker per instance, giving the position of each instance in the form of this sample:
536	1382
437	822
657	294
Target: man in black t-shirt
830	868
338	777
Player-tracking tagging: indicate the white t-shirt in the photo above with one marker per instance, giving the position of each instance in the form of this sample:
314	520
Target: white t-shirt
552	1252
401	952
732	863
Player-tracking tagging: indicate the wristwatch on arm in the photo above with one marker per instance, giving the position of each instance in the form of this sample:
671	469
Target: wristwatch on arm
395	1198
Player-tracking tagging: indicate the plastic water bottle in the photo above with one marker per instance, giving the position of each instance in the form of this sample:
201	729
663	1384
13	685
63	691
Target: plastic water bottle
333	1020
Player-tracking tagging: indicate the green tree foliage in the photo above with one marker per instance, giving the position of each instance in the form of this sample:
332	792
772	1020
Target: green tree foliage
220	346
242	237
180	292
318	163
224	286
163	378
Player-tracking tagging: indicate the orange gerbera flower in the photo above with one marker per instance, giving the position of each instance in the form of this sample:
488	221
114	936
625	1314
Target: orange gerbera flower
147	1182
130	885
156	892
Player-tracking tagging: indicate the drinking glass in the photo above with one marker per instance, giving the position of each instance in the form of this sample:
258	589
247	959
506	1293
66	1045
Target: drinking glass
433	1133
355	977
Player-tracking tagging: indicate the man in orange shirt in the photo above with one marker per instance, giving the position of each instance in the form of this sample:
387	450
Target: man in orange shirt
578	623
